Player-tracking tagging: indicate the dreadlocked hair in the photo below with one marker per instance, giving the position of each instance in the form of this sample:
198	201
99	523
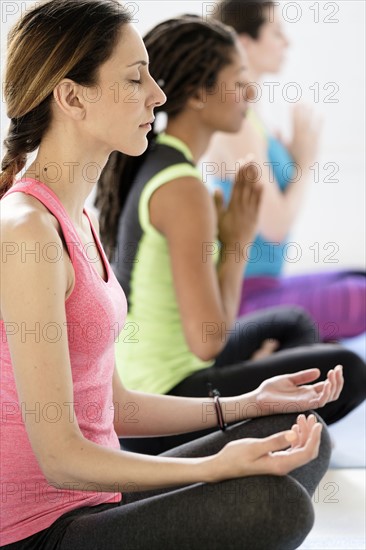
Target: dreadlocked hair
186	54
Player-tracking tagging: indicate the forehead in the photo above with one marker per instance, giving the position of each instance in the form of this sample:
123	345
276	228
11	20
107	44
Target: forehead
128	49
237	68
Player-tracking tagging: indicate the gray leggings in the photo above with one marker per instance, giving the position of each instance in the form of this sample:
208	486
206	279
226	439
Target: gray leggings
251	513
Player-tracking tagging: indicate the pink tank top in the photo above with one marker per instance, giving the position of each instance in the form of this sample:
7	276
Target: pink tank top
96	311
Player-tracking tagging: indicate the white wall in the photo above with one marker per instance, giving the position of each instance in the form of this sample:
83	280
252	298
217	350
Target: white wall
328	50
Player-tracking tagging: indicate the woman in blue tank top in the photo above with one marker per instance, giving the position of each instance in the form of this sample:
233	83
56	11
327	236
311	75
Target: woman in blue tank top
337	299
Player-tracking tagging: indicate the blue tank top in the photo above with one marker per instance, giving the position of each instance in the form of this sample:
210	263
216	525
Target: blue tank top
265	258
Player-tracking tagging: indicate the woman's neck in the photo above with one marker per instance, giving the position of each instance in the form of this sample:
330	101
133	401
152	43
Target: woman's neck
255	75
196	136
70	172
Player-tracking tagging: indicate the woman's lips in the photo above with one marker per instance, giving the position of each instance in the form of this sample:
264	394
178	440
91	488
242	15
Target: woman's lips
147	124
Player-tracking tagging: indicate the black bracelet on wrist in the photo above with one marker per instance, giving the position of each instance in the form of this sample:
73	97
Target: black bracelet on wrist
213	392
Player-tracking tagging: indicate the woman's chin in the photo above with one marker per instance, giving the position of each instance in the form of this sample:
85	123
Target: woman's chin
235	127
276	67
135	150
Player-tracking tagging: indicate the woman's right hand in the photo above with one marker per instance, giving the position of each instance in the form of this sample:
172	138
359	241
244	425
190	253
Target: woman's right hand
277	454
238	221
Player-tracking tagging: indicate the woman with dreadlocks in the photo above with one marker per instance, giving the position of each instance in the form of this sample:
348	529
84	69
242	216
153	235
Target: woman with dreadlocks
335	300
160	227
63	404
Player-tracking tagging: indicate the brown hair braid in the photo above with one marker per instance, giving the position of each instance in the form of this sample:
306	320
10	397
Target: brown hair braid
57	39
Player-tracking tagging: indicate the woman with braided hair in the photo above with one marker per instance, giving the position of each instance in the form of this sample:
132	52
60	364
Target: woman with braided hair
160	228
63	404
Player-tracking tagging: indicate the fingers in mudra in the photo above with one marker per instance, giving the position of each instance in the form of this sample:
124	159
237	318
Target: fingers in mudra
303	447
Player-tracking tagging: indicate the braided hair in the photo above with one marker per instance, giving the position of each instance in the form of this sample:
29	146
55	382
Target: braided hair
55	40
186	54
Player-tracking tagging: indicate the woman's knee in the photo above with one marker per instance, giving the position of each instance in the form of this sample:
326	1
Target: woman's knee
354	368
292	323
354	373
272	512
304	325
292	515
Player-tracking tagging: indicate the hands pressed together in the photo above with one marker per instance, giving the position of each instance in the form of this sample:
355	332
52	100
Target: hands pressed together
238	221
283	452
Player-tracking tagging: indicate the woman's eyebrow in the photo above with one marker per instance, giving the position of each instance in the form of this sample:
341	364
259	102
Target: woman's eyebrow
142	62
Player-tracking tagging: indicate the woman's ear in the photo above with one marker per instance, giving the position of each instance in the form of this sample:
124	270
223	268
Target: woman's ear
245	40
197	101
70	99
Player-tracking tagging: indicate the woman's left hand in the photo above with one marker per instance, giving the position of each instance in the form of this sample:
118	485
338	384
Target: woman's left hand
291	392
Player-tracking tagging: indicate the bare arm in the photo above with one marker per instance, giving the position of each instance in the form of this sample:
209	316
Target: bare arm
42	373
35	293
142	414
208	297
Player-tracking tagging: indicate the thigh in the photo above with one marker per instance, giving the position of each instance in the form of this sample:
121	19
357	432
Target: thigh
212	443
290	325
51	537
335	300
229	514
248	375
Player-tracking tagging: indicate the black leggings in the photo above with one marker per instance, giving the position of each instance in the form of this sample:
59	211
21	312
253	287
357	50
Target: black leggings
256	513
234	373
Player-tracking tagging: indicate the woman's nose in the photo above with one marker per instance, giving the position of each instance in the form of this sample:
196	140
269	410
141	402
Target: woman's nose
158	96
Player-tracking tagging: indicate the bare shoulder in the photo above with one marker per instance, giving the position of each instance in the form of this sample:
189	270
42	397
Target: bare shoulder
187	187
252	136
24	218
180	203
32	254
